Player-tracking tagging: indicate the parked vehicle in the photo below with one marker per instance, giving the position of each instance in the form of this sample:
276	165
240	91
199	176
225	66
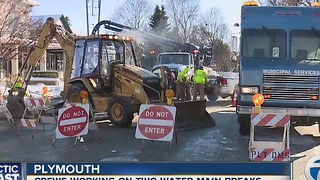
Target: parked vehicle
279	58
228	82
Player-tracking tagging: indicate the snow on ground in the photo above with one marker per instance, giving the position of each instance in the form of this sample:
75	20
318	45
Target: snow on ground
36	90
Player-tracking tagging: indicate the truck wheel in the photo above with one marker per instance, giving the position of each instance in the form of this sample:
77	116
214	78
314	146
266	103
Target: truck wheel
213	95
223	97
73	94
120	111
244	124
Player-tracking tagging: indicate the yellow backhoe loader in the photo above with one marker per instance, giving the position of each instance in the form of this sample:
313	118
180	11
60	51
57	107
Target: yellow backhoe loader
106	67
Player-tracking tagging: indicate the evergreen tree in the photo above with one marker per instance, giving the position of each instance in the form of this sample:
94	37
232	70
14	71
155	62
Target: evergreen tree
159	26
159	21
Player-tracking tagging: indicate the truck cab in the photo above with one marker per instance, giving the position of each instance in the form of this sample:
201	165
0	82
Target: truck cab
176	61
279	58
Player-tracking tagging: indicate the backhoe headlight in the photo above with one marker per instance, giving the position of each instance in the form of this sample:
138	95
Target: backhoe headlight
249	90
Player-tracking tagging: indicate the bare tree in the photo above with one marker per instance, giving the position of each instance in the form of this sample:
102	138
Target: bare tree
212	30
133	13
183	14
213	26
290	2
16	30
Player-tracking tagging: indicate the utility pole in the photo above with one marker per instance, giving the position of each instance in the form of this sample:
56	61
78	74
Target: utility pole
93	8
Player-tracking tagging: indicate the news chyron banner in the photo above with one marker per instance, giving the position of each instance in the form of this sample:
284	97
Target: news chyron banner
11	171
158	171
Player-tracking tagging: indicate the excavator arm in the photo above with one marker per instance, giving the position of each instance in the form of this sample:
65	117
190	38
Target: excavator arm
49	31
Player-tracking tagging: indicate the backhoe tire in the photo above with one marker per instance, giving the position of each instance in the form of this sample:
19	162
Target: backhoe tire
73	94
74	91
244	124
120	111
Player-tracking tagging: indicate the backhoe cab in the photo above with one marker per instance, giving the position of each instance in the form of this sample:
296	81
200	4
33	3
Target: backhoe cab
105	66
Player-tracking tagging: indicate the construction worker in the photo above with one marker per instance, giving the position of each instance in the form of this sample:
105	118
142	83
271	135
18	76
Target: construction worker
18	86
199	79
172	80
19	83
182	84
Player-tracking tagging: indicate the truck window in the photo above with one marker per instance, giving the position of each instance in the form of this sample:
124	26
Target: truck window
129	54
259	43
305	44
91	57
77	59
115	51
174	59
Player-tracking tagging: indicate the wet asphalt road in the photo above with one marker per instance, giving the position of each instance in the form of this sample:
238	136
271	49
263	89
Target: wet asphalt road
219	143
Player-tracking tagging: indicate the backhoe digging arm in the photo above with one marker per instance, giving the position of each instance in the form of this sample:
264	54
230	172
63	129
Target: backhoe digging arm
49	31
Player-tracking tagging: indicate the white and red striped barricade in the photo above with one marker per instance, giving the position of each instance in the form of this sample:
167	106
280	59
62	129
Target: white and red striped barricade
4	109
33	108
270	150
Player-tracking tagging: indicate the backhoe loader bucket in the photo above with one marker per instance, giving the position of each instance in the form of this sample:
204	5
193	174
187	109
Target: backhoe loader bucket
16	104
15	107
192	115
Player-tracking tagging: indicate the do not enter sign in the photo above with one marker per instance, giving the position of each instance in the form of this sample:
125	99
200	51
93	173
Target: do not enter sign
156	122
73	121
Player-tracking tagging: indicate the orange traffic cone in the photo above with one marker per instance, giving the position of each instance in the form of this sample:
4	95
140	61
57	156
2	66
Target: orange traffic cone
234	100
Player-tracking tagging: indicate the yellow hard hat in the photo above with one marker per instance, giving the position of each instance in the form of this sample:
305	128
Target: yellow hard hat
186	69
19	79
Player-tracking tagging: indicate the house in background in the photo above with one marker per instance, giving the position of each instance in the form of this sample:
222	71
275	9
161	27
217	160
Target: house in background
53	58
13	36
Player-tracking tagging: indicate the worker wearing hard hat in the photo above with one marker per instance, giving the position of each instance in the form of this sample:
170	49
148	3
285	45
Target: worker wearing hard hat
182	84
199	79
19	85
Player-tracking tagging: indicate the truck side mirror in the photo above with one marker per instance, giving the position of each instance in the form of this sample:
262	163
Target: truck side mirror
234	58
234	44
318	53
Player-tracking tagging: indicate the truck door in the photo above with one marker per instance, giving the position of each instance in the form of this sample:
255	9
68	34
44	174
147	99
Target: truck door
91	58
112	53
77	59
108	55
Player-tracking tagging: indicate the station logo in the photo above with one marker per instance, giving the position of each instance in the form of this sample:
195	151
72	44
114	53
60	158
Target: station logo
312	169
10	171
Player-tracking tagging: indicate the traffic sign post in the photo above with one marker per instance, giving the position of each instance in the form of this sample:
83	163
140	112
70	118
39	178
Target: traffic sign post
156	122
73	121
